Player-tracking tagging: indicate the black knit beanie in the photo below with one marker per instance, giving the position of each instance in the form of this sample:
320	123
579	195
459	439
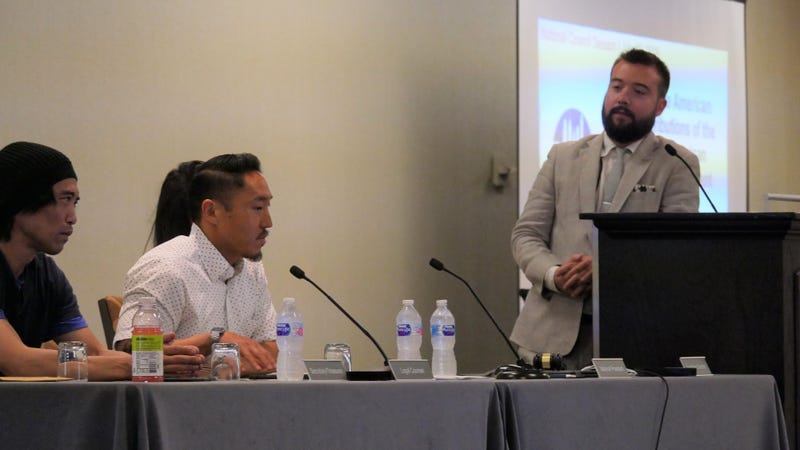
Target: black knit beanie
28	172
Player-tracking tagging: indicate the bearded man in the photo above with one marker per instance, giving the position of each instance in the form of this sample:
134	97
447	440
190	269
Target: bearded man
623	169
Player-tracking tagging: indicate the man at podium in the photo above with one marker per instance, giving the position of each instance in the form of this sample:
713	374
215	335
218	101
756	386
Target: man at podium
624	169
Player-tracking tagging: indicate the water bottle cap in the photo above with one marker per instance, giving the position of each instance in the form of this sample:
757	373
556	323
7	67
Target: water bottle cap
408	302
441	302
147	301
288	300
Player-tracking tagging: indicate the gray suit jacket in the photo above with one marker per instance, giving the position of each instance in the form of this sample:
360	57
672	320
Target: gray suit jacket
549	231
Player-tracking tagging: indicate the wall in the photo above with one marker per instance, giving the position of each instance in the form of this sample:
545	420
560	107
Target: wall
375	121
773	101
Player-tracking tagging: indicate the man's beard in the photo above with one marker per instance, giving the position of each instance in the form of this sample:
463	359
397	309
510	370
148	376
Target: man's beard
258	256
255	258
631	132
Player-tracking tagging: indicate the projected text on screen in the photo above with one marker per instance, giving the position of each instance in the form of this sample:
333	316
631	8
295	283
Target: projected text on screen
574	65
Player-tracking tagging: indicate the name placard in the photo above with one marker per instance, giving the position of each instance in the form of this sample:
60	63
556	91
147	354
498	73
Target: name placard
610	368
698	363
325	369
411	369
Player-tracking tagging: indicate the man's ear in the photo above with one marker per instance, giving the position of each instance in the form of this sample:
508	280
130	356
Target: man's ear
209	211
660	105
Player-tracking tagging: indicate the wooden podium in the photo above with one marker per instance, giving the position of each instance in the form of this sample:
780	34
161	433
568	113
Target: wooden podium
719	285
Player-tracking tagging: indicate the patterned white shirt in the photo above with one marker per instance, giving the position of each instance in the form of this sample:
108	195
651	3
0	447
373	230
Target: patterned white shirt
196	289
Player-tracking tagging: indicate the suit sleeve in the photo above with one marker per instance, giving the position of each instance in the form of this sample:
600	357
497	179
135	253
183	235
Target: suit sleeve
531	236
681	193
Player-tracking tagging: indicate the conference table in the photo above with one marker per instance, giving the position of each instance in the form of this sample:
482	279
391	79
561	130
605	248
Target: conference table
714	412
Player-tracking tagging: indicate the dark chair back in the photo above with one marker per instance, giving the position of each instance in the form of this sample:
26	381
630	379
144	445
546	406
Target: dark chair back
109	313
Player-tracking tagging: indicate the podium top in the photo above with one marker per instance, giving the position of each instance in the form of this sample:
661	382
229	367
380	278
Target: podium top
736	222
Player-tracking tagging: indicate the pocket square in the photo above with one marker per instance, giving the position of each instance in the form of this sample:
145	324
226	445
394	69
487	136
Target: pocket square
644	188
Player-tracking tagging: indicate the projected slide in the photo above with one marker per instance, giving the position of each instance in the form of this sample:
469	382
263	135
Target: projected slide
570	98
566	50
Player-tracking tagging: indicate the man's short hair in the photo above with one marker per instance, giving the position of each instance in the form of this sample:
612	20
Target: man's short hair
218	178
645	58
28	172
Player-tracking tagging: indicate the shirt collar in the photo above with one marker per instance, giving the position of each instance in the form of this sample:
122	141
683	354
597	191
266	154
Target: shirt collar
217	267
608	144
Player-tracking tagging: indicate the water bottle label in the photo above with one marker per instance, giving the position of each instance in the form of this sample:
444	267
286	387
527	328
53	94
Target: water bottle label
284	329
418	329
298	328
436	330
403	329
448	330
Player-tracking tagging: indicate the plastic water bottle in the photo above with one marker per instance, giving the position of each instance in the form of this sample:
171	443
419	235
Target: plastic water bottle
290	342
409	331
443	340
147	343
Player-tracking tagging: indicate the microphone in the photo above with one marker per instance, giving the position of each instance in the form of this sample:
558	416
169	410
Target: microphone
378	375
671	150
523	366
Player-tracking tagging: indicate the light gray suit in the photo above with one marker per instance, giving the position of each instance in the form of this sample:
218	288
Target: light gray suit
549	231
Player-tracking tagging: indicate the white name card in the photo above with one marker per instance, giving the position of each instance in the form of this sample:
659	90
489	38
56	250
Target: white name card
411	369
610	368
698	362
325	369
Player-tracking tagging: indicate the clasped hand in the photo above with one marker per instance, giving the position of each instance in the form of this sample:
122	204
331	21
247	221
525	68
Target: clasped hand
181	360
574	276
253	356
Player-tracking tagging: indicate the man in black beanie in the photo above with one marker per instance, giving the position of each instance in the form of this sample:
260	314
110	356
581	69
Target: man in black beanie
38	198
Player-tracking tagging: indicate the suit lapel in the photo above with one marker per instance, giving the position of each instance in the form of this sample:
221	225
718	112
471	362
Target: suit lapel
590	173
634	170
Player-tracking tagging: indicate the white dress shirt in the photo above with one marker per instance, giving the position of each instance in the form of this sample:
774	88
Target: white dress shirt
196	289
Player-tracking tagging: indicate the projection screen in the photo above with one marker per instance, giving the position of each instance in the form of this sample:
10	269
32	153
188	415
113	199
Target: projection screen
566	49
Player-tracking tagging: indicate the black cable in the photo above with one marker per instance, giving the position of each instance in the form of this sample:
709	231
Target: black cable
663	411
664	406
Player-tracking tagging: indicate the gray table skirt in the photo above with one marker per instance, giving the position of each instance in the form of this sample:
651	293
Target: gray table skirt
730	412
718	412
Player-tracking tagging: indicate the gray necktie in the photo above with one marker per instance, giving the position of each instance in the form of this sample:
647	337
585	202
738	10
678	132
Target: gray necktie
615	159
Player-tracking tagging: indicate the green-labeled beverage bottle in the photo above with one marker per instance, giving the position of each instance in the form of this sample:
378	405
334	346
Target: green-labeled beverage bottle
147	343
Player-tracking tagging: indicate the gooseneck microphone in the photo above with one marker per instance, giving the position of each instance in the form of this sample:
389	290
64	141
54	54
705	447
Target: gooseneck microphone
436	264
300	274
671	150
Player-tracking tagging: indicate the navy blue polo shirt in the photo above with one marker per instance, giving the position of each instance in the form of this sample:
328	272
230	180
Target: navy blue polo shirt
40	305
